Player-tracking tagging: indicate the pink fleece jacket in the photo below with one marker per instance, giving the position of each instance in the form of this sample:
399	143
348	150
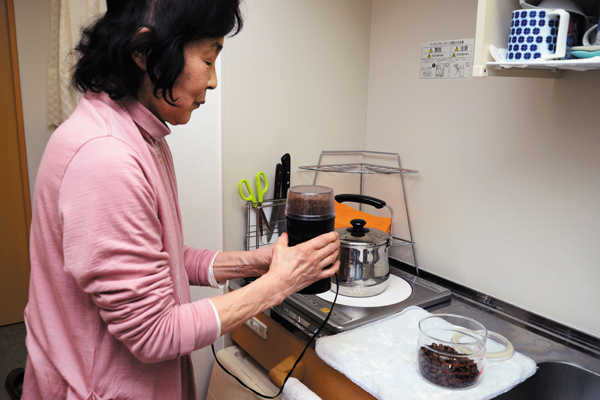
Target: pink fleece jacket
109	313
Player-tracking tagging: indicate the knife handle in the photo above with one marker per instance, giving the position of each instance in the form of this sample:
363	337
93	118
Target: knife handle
278	181
286	163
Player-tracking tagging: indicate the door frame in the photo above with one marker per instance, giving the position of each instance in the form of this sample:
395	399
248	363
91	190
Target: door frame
12	32
16	211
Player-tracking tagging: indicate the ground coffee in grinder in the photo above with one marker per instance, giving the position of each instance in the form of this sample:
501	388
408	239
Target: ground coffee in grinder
310	212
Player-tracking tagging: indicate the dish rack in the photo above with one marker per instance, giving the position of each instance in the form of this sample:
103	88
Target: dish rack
256	238
365	169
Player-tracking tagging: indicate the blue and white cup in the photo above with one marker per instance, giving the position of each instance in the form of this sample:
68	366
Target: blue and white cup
538	35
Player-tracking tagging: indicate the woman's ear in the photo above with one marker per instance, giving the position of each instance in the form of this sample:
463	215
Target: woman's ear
139	58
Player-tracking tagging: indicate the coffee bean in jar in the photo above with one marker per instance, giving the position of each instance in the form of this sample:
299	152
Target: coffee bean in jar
451	351
447	367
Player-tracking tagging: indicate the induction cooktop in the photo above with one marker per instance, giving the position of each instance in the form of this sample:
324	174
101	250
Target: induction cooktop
307	312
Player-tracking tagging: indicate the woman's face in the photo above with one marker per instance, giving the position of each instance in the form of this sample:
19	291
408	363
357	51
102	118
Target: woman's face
189	91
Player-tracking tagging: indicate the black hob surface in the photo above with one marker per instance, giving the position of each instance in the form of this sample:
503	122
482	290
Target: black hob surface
307	312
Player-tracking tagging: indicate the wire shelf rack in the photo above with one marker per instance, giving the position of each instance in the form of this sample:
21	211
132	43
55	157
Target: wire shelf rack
358	168
258	236
364	169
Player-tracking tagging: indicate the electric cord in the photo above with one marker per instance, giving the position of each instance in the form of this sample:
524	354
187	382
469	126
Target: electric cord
337	282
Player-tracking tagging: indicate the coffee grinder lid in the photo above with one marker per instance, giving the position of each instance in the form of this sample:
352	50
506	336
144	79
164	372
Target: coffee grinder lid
310	202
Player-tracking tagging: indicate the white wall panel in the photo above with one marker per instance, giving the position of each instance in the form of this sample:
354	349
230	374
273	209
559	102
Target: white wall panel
506	201
295	81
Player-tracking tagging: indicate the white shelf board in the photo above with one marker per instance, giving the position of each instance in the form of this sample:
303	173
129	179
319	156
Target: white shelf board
573	65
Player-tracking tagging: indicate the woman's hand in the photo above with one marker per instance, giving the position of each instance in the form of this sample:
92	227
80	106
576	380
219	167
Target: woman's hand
299	266
291	269
261	259
246	264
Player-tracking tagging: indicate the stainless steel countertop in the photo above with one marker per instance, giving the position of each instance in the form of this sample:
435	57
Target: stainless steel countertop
538	345
534	341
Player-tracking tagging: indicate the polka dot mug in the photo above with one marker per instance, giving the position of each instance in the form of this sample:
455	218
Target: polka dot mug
537	35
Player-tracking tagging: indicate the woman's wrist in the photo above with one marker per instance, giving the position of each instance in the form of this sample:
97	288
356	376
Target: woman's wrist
240	264
242	304
275	286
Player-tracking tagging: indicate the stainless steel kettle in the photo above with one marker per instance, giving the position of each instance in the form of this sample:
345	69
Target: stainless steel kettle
364	266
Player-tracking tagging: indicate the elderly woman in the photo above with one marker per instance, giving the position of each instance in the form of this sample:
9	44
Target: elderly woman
109	313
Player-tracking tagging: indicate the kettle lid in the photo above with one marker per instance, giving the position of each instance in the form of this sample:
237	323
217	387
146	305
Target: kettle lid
359	234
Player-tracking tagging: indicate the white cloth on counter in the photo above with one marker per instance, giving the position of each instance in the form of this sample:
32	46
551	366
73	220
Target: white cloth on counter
381	357
296	390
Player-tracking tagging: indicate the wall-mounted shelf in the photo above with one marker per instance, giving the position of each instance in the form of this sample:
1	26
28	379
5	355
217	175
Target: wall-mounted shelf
557	65
493	23
365	169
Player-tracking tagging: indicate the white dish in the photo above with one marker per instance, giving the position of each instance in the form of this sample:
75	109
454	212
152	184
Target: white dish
585	48
396	291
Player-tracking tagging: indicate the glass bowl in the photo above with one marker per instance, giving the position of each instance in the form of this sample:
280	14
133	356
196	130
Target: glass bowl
451	351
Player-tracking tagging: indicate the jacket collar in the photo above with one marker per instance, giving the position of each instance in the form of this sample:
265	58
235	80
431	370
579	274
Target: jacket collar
144	118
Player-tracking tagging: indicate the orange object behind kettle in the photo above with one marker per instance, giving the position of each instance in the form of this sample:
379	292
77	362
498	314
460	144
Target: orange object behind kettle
344	214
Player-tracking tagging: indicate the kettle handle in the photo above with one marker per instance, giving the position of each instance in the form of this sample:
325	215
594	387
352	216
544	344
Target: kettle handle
360	198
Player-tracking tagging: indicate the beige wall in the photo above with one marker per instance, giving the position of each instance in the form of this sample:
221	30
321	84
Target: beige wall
33	27
196	149
508	194
295	81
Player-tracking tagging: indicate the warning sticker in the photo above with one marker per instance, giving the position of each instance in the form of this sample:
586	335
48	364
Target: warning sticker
449	59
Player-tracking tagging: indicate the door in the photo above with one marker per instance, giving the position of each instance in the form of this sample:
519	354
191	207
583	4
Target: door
15	207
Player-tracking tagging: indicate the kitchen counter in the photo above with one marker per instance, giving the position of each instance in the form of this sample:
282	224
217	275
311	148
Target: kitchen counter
528	338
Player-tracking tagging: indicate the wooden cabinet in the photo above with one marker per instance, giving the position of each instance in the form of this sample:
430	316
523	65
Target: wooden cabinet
319	377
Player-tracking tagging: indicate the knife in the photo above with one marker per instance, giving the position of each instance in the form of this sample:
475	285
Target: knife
276	196
286	164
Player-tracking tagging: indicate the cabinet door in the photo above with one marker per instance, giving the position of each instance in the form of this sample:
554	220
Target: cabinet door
15	209
319	377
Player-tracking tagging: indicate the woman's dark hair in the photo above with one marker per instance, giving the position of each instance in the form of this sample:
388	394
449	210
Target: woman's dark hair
105	62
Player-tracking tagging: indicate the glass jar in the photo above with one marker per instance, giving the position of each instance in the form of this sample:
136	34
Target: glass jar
451	351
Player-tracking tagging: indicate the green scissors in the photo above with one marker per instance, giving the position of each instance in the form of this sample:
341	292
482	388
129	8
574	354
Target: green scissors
256	197
260	192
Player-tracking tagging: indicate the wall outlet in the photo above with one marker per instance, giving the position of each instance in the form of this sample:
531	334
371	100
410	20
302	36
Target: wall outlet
257	327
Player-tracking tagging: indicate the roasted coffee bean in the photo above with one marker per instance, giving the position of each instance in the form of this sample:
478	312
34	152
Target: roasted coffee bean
451	370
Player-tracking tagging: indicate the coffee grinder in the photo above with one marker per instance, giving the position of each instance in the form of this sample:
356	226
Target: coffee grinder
310	212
